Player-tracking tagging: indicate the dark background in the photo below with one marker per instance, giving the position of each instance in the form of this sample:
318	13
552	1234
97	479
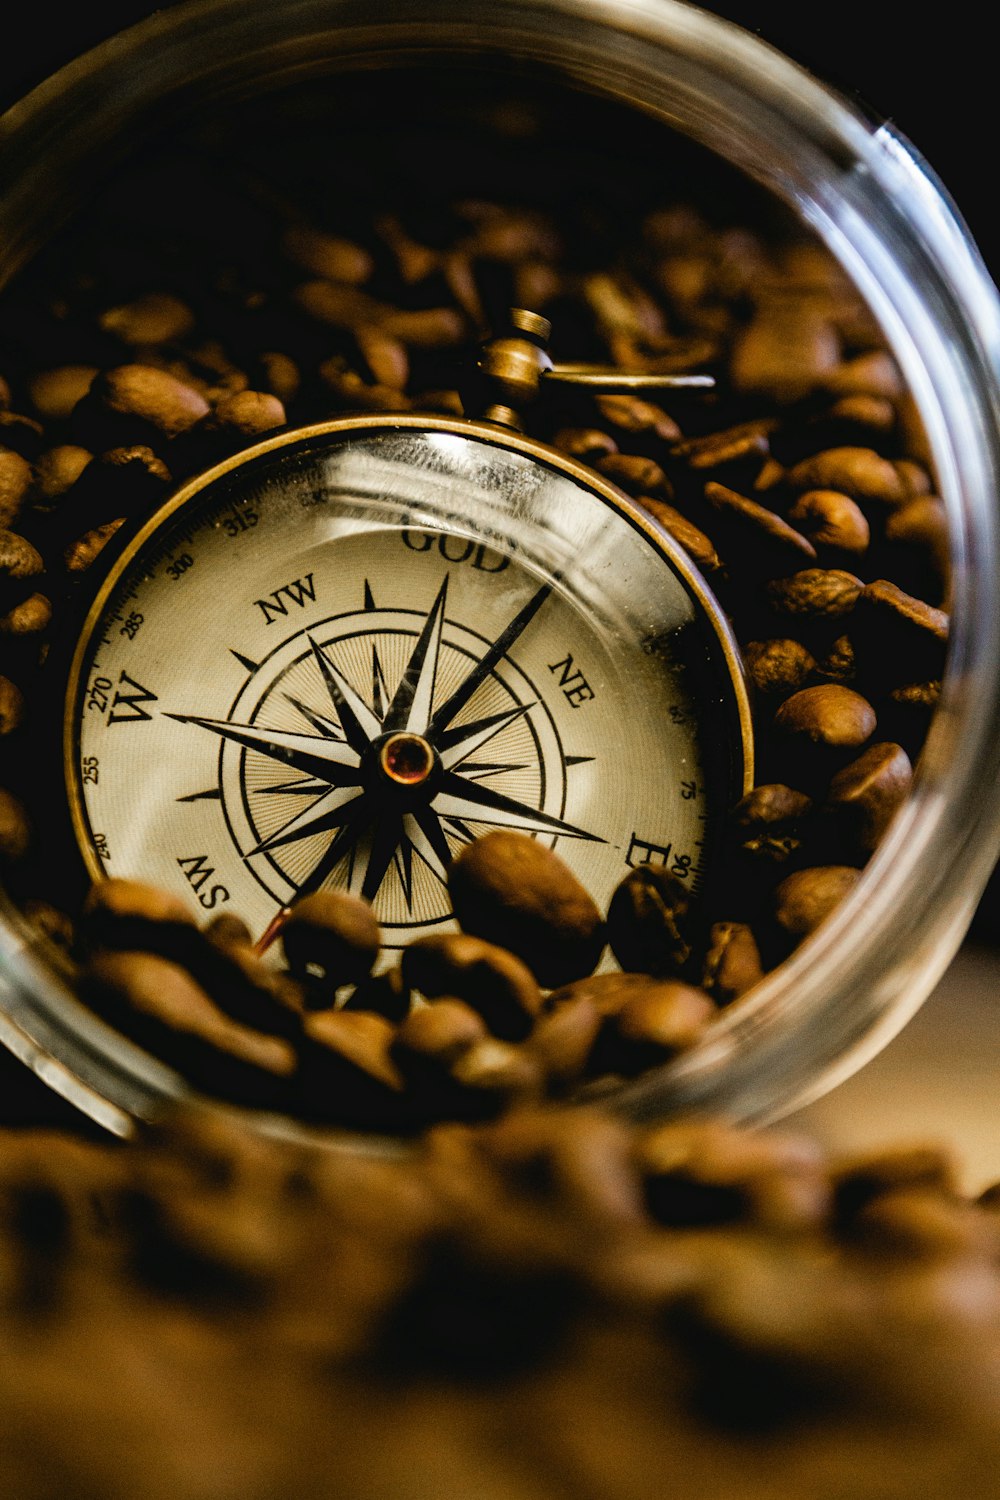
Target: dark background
933	78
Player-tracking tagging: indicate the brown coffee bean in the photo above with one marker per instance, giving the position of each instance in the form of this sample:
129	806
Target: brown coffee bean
833	522
490	979
85	551
856	421
748	441
11	706
386	994
806	898
161	1006
241	984
828	715
859	1179
351	391
786	352
839	662
695	543
635	475
512	891
764	540
768	822
778	667
141	399
227	931
913	1224
56	471
15	830
815	593
424	328
21	434
732	962
922	523
649	922
386	357
510	235
867	793
563	1040
914	478
860	473
651	1028
327	255
154	318
54	393
248	415
281	375
632	415
129	914
872	374
19	561
898	635
15	482
346	1074
32	616
439	1032
710	1173
589	444
333	937
126	480
494	1076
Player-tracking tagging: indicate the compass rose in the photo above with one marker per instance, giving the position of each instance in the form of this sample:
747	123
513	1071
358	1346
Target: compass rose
388	777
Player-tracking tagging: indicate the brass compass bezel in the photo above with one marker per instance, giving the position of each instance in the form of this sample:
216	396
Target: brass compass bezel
490	434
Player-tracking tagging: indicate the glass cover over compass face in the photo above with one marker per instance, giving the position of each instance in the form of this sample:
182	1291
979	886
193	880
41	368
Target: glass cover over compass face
335	661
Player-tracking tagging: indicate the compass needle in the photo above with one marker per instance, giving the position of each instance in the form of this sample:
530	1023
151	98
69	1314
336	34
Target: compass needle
456	744
460	697
315	754
330	811
459	798
360	724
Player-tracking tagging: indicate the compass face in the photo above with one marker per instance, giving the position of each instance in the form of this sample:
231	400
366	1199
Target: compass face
335	661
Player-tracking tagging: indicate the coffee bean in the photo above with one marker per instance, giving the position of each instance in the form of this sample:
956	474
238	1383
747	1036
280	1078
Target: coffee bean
11	706
512	891
747	442
861	1178
130	402
563	1040
327	255
589	444
778	667
786	352
489	979
695	543
860	473
160	1006
629	414
834	523
804	900
129	914
899	636
15	482
493	1076
15	830
652	1027
333	937
769	822
760	538
57	471
635	475
815	594
386	994
649	922
732	962
829	716
867	793
346	1074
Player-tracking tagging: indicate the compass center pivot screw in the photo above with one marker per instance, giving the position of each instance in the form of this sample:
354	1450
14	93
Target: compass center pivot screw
406	759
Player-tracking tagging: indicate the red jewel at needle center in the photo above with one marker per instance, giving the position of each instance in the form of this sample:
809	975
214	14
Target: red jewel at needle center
406	759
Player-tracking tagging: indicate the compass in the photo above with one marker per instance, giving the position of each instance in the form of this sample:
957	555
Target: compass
344	654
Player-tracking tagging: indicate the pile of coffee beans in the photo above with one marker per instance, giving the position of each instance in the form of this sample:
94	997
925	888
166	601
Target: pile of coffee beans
248	276
549	1305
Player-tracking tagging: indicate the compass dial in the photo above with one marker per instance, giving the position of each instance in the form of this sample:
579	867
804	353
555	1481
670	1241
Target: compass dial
338	659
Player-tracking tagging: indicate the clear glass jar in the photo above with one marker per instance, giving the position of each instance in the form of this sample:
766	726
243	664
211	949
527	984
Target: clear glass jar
867	195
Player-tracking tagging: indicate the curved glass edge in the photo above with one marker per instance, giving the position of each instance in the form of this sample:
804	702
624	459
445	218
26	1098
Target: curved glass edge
877	208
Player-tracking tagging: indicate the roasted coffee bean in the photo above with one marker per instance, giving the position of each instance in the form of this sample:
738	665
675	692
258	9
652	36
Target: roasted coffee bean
763	539
747	443
11	706
563	1040
832	718
128	914
85	551
15	482
493	1076
914	1224
778	667
629	414
649	922
56	472
154	318
695	543
589	444
900	637
652	1027
834	523
386	994
490	979
806	898
860	473
815	594
872	374
19	563
327	255
732	962
332	937
635	474
346	1074
427	1046
769	821
786	352
134	402
867	793
15	830
862	1178
512	891
159	1004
